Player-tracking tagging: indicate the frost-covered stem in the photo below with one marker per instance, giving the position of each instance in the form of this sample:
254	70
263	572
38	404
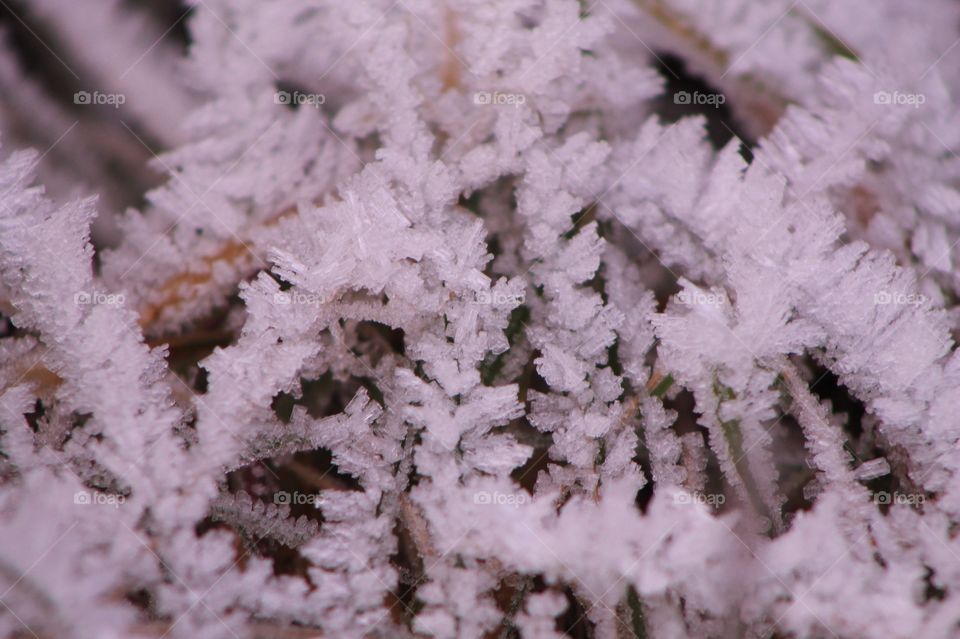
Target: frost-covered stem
823	439
149	80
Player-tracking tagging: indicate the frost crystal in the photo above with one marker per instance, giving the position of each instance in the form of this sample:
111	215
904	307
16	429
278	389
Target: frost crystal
477	319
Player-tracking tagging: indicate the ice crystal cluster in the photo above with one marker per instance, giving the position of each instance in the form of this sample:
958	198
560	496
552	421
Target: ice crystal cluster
479	319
